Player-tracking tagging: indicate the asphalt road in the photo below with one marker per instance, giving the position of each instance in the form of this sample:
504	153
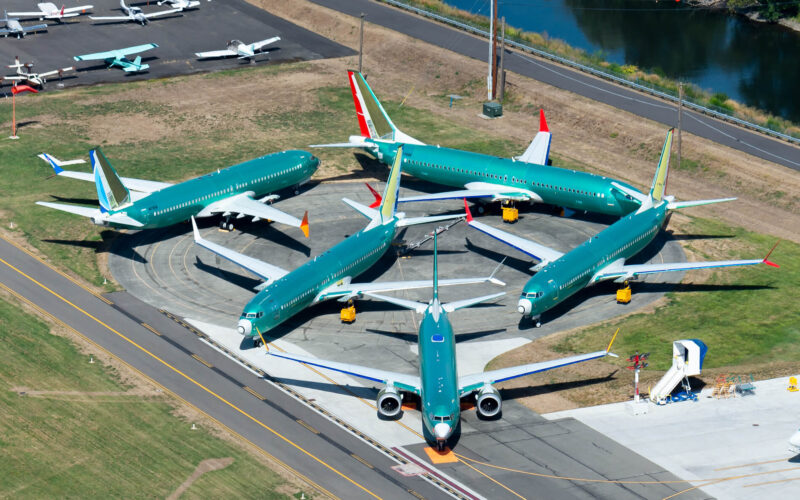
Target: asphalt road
337	462
179	36
639	104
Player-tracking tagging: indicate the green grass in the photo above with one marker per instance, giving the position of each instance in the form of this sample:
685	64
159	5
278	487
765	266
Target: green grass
751	319
101	446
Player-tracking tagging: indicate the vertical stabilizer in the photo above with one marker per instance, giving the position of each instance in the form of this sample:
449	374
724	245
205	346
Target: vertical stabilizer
372	118
390	195
660	179
111	192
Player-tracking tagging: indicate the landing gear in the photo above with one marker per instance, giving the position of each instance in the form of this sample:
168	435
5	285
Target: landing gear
537	321
225	224
257	342
441	445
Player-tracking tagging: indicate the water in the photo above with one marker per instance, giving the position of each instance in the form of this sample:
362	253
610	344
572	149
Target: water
754	63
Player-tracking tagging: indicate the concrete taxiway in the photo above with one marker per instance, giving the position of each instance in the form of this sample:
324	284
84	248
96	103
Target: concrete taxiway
179	36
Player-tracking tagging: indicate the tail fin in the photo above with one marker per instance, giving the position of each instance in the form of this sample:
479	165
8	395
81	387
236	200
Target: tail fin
138	61
660	179
435	265
372	118
111	192
390	195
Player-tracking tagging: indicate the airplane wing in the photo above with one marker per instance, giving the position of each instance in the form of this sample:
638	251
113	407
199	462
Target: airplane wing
111	18
244	204
80	9
215	53
621	273
162	13
117	52
257	45
469	383
25	14
15	78
401	381
140	185
56	71
35	27
266	271
539	252
477	190
539	149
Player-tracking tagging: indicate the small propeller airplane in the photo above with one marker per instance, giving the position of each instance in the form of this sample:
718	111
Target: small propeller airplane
13	27
437	384
330	275
560	275
239	49
48	10
181	4
119	57
135	14
243	189
24	74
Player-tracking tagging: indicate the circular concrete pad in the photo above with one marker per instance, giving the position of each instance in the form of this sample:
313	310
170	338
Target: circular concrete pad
166	269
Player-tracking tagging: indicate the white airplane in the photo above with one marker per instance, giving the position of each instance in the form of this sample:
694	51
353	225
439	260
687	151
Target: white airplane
134	14
181	4
13	27
794	443
239	49
24	74
48	10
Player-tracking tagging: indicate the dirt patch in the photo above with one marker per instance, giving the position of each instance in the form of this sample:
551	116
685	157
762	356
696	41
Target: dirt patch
207	465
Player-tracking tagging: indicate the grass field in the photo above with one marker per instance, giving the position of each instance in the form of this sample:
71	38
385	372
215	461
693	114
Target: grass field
88	435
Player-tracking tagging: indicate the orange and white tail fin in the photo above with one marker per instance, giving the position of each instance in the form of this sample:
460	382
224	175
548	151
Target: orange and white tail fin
373	121
538	151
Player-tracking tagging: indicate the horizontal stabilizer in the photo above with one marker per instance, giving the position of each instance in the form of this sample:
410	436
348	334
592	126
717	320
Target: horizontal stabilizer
73	209
413	221
369	213
461	304
684	204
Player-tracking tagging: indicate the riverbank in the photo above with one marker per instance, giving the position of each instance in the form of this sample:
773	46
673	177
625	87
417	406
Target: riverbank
741	8
654	79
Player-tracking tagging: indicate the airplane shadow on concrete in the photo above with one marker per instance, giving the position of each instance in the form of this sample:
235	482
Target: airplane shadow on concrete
413	338
109	242
237	279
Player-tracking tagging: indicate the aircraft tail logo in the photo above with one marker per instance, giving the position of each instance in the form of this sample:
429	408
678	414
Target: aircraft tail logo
372	118
660	178
111	192
391	194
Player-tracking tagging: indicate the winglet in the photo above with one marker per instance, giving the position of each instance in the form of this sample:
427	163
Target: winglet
766	259
46	157
608	349
304	224
494	280
469	214
195	231
378	198
542	122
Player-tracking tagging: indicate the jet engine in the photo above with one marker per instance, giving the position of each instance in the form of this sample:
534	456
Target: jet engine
489	402
389	402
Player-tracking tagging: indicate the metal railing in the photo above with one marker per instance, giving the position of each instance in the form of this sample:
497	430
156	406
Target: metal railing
596	72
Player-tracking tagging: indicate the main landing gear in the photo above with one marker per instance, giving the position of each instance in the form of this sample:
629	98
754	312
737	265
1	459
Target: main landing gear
225	224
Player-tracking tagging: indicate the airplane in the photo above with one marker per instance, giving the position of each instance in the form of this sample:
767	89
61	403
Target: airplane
239	49
181	4
48	10
134	14
24	73
118	57
13	27
438	386
242	189
524	178
602	257
794	443
330	275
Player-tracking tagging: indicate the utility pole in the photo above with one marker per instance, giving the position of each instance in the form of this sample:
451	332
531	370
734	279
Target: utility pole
501	87
489	77
361	43
494	52
680	117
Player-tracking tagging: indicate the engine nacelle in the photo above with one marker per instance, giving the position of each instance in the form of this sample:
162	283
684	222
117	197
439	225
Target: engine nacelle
488	402
389	402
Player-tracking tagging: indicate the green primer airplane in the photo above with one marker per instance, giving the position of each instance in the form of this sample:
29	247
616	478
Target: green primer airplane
329	276
602	257
526	178
439	387
242	189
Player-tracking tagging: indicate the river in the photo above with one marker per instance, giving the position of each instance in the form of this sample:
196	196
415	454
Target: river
754	63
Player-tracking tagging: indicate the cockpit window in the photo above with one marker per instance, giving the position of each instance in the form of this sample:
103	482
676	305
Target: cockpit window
445	418
251	315
533	295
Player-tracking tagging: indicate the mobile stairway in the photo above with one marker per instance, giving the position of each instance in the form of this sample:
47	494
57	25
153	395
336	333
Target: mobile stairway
687	360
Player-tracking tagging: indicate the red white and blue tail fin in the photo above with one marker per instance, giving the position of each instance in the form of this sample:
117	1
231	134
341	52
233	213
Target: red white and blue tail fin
538	151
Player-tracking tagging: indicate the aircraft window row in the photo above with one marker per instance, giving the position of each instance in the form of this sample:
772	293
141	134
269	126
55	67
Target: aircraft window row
575	278
457	170
571	190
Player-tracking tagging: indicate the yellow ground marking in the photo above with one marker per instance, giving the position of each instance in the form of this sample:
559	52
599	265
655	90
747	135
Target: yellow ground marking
307	426
198	358
167	391
495	481
198	384
750	465
151	329
441	457
362	460
31	254
254	393
771	482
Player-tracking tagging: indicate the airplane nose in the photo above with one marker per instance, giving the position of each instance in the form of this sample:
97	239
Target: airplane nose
441	431
245	327
524	306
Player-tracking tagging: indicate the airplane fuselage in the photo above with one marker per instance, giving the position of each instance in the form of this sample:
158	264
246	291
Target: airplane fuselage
441	405
569	274
260	176
551	185
306	285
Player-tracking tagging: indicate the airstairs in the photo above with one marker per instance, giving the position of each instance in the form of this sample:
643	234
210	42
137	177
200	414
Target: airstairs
687	360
